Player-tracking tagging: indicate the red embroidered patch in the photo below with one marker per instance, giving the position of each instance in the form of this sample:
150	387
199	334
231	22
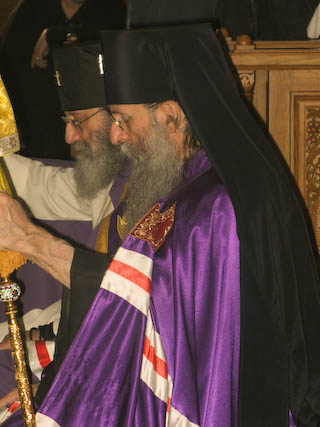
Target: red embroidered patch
154	226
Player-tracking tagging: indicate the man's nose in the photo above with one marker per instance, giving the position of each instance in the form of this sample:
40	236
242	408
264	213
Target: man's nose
117	135
72	134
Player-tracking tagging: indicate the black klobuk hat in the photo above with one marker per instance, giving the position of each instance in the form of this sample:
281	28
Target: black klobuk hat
79	76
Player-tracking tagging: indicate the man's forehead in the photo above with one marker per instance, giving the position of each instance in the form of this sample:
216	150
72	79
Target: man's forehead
80	112
123	108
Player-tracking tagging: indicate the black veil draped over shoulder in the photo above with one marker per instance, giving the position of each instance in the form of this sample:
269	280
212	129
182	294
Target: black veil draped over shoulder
280	306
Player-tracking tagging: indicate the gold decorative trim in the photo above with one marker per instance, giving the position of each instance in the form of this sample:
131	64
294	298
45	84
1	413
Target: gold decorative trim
103	235
121	227
248	82
58	78
9	144
154	226
18	353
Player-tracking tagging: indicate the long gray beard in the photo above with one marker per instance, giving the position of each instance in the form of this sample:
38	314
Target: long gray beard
93	171
156	171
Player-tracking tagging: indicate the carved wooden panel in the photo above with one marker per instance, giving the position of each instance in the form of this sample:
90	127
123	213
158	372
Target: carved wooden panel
306	144
290	92
247	79
312	154
304	148
284	84
311	118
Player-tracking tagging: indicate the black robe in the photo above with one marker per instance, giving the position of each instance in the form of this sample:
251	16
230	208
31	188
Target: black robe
267	19
86	274
280	302
262	19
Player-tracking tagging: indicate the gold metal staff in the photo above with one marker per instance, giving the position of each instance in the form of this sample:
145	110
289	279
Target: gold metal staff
9	261
9	294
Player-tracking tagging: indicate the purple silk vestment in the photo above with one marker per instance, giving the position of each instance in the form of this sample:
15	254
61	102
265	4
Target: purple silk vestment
190	373
160	344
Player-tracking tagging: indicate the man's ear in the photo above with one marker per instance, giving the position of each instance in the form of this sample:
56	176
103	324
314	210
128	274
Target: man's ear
170	116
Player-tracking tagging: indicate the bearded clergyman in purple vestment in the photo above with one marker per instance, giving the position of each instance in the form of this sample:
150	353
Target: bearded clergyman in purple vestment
207	312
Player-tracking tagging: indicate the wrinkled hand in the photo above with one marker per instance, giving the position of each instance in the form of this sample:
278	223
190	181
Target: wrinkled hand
19	234
40	52
14	223
13	396
9	398
5	343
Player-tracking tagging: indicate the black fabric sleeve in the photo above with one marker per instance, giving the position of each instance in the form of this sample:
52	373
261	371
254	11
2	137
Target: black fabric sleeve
86	273
46	332
87	270
56	36
285	19
267	19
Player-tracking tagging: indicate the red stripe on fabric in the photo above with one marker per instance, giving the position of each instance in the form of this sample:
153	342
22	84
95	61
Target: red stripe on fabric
131	274
43	354
159	365
168	404
14	406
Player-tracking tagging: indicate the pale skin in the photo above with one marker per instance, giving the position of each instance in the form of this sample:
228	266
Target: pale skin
18	233
168	114
13	396
6	345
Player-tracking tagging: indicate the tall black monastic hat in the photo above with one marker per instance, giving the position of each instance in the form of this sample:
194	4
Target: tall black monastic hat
280	368
79	76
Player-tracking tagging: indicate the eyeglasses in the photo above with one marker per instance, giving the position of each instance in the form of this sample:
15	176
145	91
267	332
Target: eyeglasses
77	123
122	120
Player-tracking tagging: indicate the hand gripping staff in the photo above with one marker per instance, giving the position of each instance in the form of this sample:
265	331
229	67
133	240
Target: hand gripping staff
9	261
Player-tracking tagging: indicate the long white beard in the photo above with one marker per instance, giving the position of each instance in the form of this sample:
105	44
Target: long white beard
93	171
155	164
156	172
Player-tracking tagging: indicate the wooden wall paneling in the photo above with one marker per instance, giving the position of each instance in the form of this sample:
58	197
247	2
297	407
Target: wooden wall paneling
286	95
306	144
260	94
247	78
306	109
279	112
286	89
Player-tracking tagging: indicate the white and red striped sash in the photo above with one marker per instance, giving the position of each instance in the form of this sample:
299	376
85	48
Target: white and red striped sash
129	277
